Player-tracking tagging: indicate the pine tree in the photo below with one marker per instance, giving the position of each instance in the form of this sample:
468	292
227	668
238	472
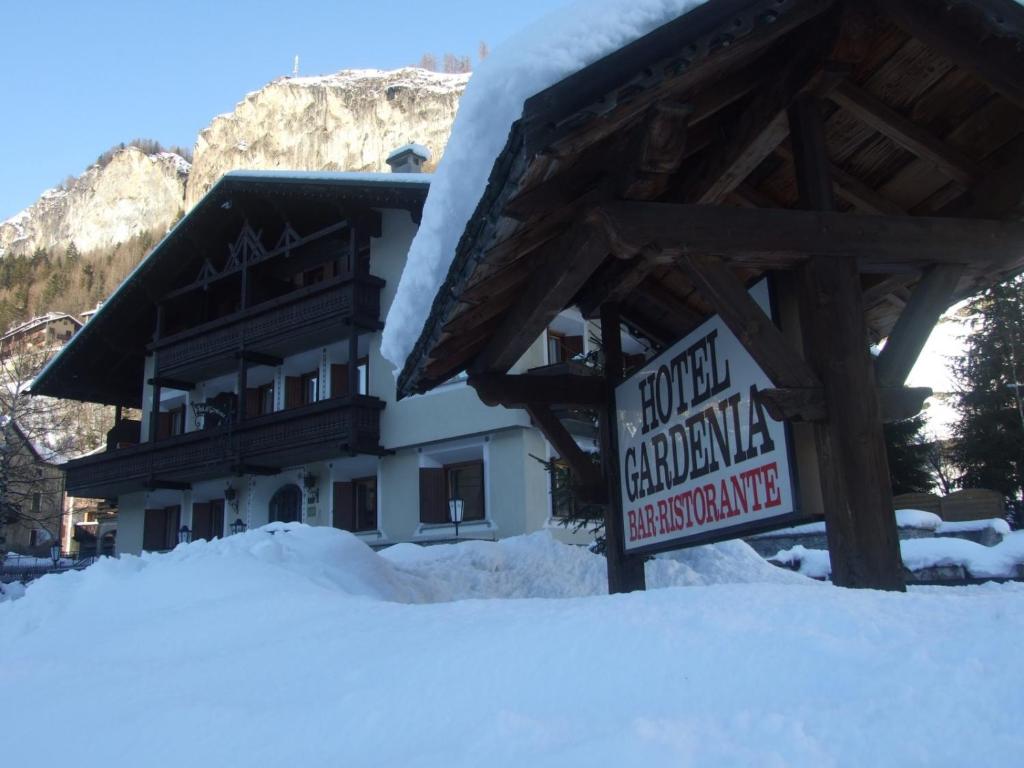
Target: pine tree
909	455
989	438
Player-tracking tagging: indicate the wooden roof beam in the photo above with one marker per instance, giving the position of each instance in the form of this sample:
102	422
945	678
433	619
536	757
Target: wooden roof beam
674	230
589	485
853	190
763	124
996	61
912	137
757	333
573	259
518	390
931	297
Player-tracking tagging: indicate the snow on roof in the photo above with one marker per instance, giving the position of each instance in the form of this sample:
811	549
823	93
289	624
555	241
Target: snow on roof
37	322
342	178
539	56
418	149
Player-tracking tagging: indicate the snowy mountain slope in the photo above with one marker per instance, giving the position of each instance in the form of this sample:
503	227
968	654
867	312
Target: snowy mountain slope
305	648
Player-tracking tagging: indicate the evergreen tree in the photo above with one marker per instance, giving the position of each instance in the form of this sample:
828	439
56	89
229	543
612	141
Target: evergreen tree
909	455
989	438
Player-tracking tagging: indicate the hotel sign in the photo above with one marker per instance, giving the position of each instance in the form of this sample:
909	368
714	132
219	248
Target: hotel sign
700	459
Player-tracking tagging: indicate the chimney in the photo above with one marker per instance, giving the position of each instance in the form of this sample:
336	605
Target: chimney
409	158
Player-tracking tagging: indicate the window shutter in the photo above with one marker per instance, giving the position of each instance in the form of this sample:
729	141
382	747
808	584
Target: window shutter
217	519
344	510
153	530
252	402
292	391
433	504
201	521
339	380
173	522
573	345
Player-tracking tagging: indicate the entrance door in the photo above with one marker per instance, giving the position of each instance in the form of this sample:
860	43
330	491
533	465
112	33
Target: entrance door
286	505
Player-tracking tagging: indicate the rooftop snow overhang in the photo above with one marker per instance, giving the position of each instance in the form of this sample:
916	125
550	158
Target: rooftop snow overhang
104	362
949	72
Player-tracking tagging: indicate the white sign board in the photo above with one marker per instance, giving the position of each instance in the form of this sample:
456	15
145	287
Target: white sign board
699	458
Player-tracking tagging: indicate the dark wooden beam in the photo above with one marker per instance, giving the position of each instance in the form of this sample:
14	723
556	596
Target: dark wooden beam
921	142
258	358
750	235
762	125
156	484
253	469
854	474
612	283
792	404
1000	193
589	485
518	390
997	60
853	190
682	317
166	383
931	297
745	318
573	259
625	572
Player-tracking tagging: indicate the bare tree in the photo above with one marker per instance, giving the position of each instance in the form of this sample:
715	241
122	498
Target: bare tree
482	51
428	61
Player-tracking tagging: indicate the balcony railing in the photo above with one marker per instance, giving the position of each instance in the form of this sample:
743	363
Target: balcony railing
266	443
308	317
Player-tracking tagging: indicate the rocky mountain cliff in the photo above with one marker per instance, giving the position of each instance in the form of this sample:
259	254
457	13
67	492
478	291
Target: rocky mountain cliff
106	205
347	121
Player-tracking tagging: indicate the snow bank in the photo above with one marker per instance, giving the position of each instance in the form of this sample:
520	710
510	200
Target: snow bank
297	649
1000	561
561	43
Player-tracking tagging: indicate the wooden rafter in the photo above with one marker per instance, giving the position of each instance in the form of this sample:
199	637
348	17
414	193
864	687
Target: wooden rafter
589	484
997	61
853	190
921	142
745	318
574	257
516	390
762	125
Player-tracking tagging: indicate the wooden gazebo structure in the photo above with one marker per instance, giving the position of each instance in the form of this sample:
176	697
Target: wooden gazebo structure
868	154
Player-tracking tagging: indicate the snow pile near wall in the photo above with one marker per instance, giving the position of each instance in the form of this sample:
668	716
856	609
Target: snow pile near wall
561	43
301	649
539	566
1002	561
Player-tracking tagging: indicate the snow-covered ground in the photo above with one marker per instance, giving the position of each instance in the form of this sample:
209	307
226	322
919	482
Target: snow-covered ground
303	647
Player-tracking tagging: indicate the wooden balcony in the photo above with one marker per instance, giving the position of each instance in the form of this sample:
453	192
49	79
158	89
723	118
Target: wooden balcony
262	444
306	318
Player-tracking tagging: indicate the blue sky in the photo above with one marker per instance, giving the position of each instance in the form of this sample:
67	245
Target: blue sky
79	77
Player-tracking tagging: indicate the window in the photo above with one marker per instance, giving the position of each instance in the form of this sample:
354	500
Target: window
310	387
265	399
36	503
355	504
363	374
562	347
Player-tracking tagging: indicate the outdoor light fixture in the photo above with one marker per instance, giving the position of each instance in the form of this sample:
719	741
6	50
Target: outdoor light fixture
456	508
231	497
184	535
238	526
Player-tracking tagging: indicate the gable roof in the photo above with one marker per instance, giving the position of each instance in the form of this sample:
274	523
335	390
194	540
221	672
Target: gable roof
104	362
951	69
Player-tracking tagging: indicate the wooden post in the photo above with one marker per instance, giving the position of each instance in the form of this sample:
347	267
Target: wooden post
353	362
625	572
243	381
861	527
